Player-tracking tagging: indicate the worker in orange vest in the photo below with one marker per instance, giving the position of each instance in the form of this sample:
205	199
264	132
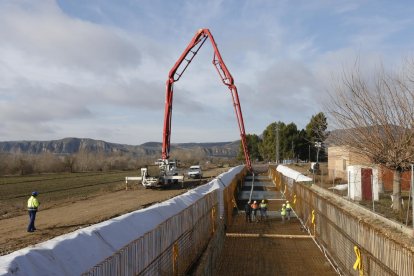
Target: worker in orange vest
255	207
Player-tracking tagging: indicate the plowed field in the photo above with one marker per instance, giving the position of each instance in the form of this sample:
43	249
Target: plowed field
73	201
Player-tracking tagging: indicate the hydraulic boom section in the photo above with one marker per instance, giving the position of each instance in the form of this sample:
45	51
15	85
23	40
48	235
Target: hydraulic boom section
175	74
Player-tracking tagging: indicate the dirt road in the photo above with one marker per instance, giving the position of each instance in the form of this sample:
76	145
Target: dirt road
64	219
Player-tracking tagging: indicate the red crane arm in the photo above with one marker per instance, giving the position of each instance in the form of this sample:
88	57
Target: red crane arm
177	71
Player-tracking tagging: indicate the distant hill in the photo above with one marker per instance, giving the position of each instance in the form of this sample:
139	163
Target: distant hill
69	146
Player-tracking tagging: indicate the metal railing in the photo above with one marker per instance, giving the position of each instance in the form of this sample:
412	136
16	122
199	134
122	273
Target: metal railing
354	242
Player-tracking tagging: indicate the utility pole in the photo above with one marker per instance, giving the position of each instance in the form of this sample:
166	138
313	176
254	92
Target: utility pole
277	143
318	145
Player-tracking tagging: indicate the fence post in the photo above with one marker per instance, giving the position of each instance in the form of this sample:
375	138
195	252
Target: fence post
372	193
412	190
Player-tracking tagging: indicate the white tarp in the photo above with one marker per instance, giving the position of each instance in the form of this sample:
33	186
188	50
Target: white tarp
297	176
76	252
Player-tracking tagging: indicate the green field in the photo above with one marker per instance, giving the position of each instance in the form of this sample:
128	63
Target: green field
56	189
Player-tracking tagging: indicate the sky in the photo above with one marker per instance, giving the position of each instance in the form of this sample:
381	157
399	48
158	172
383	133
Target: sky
97	69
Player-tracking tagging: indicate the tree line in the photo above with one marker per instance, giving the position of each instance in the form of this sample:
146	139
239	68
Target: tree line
86	161
25	164
280	141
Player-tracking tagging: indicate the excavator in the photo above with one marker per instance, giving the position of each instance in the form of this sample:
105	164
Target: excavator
167	168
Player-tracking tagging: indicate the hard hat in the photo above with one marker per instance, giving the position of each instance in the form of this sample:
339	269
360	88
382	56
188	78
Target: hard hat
263	201
284	205
255	201
287	201
34	193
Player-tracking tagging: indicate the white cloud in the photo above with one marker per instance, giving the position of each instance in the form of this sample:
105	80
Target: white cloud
98	70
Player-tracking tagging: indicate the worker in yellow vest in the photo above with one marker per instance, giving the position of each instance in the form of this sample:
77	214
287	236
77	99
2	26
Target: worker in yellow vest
283	213
263	210
288	209
32	205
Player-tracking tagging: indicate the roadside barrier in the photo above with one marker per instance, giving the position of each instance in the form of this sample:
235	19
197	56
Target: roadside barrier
356	241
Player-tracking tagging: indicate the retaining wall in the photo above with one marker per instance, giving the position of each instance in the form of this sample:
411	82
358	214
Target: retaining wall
349	234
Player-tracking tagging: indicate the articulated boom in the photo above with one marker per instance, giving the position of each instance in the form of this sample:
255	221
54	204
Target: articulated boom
175	74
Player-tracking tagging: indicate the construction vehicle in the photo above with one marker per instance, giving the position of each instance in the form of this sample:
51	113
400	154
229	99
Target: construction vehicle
161	174
167	172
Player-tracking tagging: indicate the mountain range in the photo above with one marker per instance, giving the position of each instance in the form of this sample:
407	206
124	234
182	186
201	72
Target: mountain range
69	146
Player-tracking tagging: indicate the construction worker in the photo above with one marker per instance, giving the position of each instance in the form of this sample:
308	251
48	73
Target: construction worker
248	211
288	209
263	210
283	213
255	207
32	205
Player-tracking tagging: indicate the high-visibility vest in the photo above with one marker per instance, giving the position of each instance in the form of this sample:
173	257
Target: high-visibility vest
255	206
32	203
283	211
288	206
263	205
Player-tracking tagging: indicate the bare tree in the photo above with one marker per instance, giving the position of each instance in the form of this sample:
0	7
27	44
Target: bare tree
376	119
25	164
69	162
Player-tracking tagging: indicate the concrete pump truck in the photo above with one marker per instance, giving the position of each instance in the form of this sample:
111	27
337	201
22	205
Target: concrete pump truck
166	169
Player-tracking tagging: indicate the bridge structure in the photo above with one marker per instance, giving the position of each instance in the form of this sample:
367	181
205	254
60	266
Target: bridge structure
204	232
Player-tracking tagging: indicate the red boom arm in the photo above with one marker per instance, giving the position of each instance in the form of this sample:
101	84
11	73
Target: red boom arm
173	76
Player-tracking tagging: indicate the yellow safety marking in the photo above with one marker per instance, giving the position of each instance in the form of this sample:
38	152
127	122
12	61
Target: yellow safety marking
175	251
313	216
358	262
234	202
294	199
175	259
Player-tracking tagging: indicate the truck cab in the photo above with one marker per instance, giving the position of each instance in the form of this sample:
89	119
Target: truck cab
195	172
